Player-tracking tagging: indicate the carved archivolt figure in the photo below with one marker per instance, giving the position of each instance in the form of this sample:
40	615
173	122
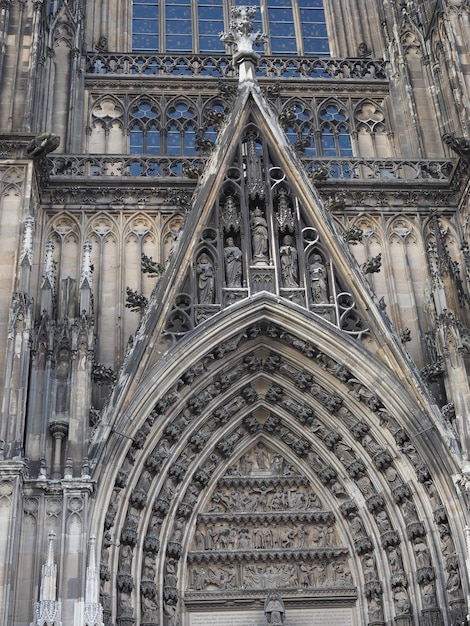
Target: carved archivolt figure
289	269
233	264
205	272
318	281
259	236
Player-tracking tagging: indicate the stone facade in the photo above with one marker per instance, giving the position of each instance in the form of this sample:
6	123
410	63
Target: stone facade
234	378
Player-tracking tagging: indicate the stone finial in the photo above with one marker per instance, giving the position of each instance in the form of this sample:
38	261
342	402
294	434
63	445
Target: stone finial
48	277
27	251
93	611
87	266
47	612
49	571
243	37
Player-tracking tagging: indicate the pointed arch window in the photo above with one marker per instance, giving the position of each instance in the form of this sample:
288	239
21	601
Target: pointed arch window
181	134
143	130
335	135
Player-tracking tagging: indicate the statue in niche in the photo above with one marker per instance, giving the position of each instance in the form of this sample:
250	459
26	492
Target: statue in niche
149	610
318	280
261	456
289	267
401	600
453	584
233	264
205	284
277	464
423	558
170	608
246	465
259	236
274	609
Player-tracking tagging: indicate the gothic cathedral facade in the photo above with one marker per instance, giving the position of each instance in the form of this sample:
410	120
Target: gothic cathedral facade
235	321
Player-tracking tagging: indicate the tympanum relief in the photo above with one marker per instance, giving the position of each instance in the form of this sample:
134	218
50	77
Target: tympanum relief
265	527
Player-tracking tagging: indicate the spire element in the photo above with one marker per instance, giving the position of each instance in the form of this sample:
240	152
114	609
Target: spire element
93	612
47	612
242	35
27	252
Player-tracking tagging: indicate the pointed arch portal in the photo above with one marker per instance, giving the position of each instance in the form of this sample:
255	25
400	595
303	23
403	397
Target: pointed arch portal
267	452
269	443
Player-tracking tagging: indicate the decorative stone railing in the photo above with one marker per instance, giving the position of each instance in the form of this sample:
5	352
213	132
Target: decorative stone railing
382	169
357	169
222	66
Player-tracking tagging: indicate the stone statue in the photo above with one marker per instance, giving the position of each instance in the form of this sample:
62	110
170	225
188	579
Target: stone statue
318	281
289	270
274	609
259	236
205	285
233	264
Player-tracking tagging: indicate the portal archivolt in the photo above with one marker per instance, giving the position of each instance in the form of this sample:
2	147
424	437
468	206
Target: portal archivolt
270	464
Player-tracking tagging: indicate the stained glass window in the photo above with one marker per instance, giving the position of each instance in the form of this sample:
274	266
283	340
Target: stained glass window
186	28
294	27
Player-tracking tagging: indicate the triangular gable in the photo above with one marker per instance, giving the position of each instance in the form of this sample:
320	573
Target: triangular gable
258	224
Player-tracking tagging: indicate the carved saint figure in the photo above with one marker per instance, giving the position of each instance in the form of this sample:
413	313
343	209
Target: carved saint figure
259	236
289	270
318	282
274	609
233	264
205	272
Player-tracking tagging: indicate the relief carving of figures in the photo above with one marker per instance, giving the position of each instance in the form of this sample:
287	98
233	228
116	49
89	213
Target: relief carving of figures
205	284
259	237
318	280
233	264
289	267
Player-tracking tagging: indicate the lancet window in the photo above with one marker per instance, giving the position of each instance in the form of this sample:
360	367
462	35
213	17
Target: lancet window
335	136
295	27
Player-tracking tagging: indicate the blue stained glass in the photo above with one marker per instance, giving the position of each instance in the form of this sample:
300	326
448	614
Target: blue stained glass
136	140
344	141
328	144
173	141
144	43
282	29
283	45
143	12
179	43
211	44
178	13
211	13
314	16
145	26
280	15
153	140
190	141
